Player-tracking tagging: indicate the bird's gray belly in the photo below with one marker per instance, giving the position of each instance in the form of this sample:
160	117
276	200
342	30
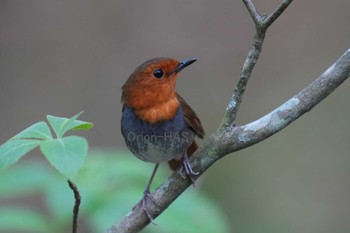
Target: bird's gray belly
157	142
160	148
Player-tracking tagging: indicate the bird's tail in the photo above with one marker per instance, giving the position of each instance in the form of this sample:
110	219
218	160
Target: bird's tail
175	164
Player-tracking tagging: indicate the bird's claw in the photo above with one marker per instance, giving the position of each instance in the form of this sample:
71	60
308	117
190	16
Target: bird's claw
147	196
188	168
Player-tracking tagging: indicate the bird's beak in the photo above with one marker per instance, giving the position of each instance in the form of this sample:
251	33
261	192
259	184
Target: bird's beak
183	64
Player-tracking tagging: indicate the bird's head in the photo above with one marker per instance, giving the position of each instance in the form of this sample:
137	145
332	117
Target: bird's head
150	89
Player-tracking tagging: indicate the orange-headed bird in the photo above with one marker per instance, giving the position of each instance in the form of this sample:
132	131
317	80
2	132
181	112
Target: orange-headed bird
157	124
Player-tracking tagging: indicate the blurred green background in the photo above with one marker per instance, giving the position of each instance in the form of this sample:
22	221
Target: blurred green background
60	57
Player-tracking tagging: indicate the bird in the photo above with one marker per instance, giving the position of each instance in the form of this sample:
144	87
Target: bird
157	123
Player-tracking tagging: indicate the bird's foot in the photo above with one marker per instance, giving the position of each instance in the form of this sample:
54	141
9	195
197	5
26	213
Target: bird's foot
188	168
145	198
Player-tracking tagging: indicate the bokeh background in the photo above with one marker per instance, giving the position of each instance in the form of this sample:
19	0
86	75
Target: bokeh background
61	57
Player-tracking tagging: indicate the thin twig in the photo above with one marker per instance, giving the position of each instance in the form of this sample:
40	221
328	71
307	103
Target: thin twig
279	10
261	25
252	11
77	199
247	68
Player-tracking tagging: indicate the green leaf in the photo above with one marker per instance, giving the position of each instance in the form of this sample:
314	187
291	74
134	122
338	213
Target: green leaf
39	130
13	150
83	125
23	220
61	125
66	154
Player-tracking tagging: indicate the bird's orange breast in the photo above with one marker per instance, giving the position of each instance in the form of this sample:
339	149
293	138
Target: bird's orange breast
159	112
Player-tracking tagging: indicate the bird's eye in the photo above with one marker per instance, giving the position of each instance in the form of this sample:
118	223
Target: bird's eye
158	73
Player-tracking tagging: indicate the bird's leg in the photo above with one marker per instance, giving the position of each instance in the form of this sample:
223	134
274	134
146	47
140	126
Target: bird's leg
188	168
146	195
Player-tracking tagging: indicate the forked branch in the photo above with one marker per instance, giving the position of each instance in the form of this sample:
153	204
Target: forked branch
230	138
262	23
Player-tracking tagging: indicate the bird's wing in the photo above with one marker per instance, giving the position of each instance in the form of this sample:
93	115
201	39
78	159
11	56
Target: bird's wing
191	117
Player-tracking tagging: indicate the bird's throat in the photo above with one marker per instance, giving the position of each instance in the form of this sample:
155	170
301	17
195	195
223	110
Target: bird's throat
161	112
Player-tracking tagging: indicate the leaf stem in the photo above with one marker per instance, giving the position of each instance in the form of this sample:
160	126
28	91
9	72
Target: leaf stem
77	199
